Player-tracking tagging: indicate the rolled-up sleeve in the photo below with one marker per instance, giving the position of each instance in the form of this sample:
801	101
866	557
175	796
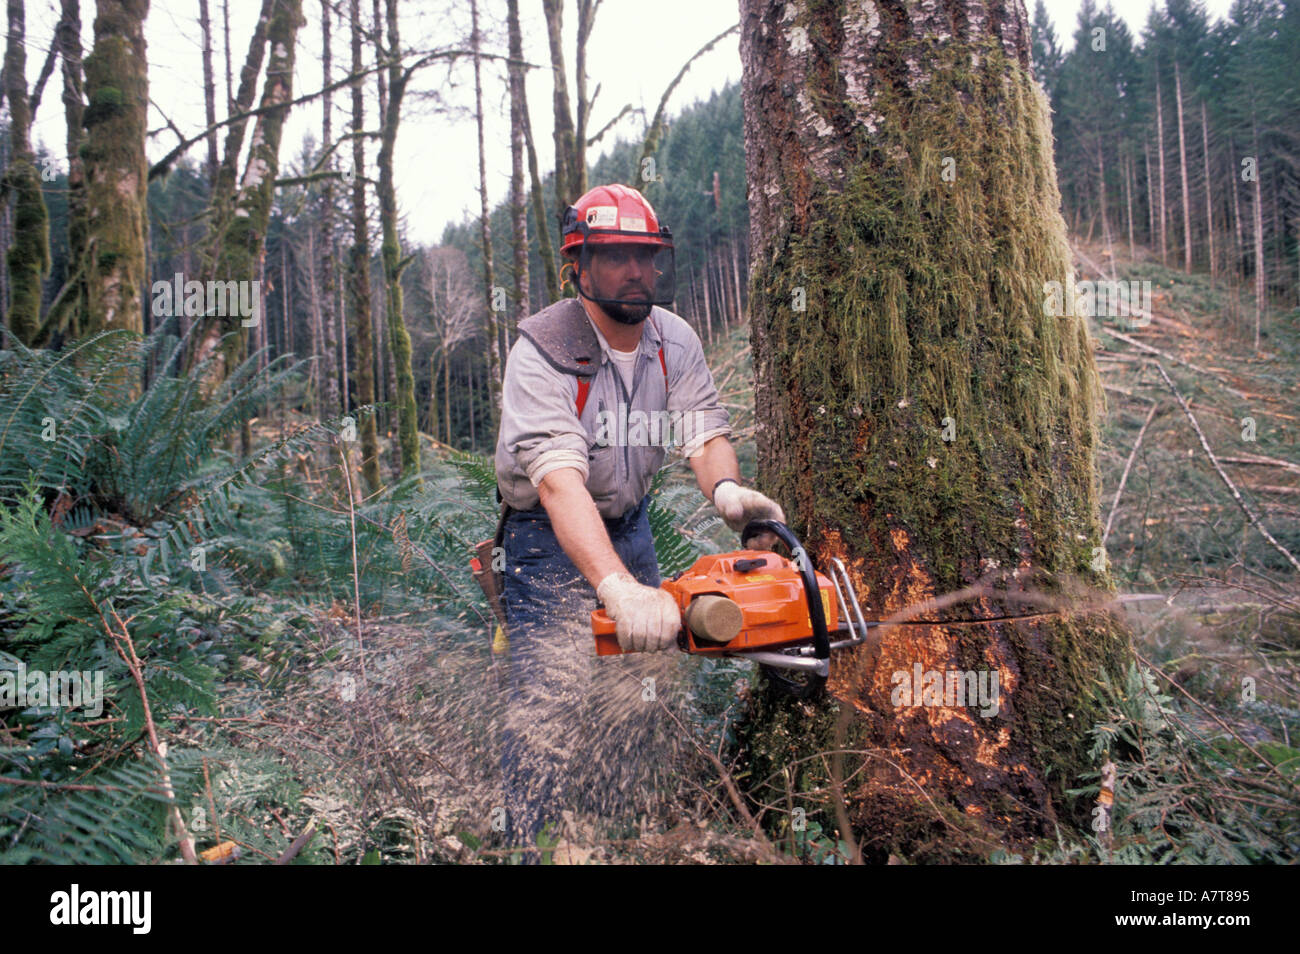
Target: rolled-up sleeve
692	393
540	429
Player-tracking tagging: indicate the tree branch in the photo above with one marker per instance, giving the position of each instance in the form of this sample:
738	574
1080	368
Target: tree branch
164	164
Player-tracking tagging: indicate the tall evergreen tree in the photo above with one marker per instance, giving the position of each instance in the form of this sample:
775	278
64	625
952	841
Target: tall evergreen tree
920	416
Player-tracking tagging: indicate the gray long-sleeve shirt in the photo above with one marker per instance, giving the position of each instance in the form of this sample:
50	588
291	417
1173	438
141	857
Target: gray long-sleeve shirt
621	438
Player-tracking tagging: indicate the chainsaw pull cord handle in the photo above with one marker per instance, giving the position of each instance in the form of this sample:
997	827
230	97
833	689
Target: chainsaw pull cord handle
816	613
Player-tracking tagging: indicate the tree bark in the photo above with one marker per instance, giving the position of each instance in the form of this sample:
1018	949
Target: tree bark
469	391
399	339
209	90
1128	203
1261	283
329	246
913	326
117	93
241	241
1151	205
1236	217
359	269
566	185
1101	199
735	278
545	251
223	193
314	319
67	314
1182	166
578	156
518	197
1209	199
28	257
1160	156
230	86
485	233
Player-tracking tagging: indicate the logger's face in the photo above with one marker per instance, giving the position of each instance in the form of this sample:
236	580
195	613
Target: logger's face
616	276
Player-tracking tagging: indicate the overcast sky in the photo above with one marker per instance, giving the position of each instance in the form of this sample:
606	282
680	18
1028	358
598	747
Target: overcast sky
635	50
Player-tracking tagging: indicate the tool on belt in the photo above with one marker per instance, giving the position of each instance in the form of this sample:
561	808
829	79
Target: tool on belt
484	566
756	604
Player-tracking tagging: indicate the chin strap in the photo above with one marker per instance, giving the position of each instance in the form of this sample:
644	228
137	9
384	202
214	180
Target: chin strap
577	285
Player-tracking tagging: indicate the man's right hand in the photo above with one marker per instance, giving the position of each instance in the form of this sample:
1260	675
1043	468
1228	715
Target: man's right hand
647	618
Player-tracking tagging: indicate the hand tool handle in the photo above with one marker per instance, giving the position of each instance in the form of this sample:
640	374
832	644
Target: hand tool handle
606	633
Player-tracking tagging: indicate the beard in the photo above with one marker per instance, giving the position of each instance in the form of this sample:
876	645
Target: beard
627	314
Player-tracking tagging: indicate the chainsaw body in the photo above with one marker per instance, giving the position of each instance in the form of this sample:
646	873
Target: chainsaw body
790	616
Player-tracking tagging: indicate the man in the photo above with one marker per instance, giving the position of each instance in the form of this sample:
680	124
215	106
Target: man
574	463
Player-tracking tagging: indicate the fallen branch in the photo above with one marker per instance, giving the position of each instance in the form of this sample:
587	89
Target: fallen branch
1176	360
292	851
1263	462
1241	502
1119	491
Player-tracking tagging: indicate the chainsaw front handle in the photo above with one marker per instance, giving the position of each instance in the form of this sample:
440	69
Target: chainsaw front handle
816	614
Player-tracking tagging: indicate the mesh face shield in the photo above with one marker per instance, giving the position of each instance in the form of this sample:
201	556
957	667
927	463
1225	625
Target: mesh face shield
627	274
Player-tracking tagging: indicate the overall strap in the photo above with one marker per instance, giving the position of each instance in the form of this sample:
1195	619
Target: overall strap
584	384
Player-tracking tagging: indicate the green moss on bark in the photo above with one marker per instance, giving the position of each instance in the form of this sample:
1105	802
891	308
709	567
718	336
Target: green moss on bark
28	257
922	268
117	91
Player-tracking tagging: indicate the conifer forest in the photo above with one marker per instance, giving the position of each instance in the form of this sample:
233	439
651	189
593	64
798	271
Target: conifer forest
1001	299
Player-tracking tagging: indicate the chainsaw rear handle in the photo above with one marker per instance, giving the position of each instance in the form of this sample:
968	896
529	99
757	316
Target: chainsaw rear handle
605	630
812	591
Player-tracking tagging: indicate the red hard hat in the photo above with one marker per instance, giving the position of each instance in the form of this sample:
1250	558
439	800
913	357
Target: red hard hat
613	215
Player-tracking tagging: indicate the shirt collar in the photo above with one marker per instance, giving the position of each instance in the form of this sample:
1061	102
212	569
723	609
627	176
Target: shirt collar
651	340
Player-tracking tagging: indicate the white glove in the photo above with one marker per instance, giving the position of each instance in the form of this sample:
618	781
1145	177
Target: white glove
648	618
738	505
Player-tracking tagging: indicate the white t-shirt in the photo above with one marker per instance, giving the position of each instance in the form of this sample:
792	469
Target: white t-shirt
626	363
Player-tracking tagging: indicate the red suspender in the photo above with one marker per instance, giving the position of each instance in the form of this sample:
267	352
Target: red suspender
584	384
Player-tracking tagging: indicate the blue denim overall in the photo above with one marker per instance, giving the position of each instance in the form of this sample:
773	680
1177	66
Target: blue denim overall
547	755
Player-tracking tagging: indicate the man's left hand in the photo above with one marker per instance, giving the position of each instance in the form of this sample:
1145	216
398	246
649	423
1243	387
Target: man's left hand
739	505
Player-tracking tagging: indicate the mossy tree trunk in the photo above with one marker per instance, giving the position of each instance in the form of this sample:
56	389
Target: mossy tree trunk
329	247
241	240
920	416
29	254
398	338
224	189
566	186
68	37
117	95
359	267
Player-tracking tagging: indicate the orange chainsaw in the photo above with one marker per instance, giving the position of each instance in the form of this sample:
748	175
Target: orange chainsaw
756	604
